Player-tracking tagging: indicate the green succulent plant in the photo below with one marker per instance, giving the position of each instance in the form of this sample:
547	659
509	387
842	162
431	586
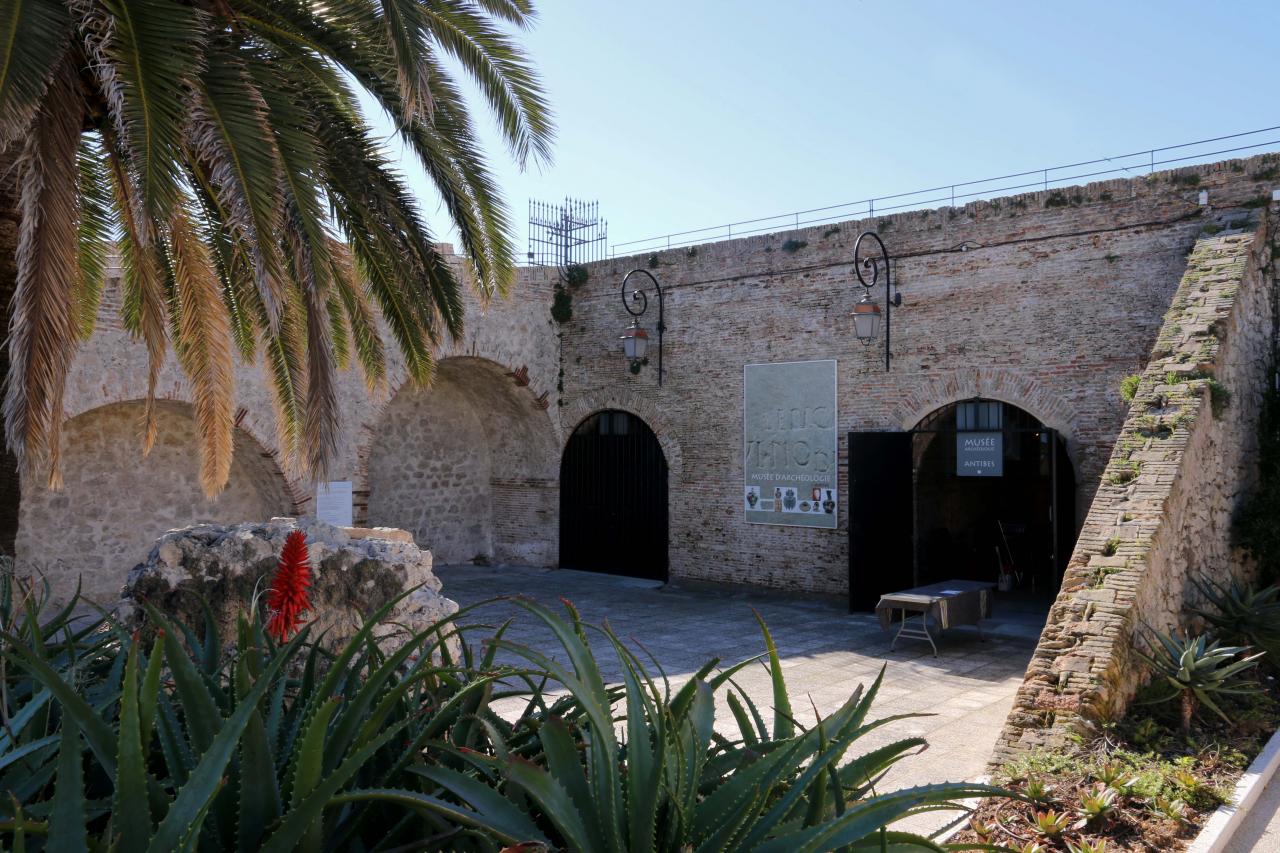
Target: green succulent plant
1197	668
1038	791
1098	804
162	740
165	743
1242	613
1052	824
673	783
1086	846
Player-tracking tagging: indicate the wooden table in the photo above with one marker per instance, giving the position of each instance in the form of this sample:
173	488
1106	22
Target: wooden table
950	603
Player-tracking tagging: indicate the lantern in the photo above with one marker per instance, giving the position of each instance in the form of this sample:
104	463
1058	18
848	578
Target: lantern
635	342
866	320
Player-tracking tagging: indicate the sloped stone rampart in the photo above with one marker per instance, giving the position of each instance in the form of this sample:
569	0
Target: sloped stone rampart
1162	515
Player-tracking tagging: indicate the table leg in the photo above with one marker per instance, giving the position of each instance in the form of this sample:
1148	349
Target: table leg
921	633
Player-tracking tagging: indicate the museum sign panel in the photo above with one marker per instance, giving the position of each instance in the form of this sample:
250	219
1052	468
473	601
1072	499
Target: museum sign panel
789	444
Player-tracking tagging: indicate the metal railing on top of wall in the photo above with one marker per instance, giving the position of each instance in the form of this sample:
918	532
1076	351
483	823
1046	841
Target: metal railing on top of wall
1134	164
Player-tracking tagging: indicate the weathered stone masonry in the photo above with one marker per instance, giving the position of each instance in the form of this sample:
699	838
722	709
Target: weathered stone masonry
1162	516
1043	301
115	502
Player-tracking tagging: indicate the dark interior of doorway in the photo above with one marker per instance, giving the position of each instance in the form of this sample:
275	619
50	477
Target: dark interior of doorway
971	527
914	520
613	498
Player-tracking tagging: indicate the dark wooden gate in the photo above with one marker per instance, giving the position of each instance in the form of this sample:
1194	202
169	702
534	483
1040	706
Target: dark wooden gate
613	498
880	516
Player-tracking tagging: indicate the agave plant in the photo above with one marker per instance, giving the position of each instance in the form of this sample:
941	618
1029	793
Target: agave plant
187	749
162	741
1197	669
671	782
1242	613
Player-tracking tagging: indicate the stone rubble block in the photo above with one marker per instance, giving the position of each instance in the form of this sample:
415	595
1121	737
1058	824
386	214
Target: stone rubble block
355	572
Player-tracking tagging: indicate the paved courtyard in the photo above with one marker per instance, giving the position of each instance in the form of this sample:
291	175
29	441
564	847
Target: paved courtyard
826	652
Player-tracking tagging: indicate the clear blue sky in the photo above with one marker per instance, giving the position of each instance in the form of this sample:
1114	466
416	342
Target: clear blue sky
677	115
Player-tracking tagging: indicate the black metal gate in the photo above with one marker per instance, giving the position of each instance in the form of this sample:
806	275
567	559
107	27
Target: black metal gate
613	498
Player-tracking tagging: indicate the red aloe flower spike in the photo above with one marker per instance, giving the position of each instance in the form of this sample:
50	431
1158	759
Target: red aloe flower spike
287	599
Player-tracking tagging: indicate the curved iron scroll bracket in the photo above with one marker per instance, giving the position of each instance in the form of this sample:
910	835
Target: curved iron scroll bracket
873	263
639	297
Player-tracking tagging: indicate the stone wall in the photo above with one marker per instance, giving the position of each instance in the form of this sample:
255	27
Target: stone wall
509	337
1043	300
469	467
1177	474
115	502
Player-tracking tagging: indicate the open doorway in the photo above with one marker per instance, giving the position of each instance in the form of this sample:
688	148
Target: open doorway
994	493
977	490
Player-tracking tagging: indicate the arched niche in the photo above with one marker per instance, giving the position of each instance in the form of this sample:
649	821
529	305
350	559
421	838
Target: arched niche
468	466
115	502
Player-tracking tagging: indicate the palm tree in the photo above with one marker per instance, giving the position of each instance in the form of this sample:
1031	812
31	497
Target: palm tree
218	147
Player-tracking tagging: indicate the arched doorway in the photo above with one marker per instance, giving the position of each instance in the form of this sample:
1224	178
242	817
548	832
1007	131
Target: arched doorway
613	498
975	487
993	489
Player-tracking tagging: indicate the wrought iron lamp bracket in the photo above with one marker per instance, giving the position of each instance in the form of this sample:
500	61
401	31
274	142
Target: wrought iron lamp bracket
640	298
873	263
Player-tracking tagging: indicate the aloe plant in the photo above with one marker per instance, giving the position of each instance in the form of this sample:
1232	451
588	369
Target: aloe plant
1245	614
652	773
1197	669
164	741
188	749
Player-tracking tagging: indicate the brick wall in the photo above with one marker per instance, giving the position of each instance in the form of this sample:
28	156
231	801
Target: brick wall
1044	300
1175	479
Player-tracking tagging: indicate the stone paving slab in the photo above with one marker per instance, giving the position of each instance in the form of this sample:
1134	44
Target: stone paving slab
825	652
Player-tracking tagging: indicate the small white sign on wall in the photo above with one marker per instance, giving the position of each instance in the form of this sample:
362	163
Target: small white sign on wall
333	503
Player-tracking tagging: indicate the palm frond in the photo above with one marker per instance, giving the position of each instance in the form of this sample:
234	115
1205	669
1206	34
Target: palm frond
501	70
227	156
286	368
143	304
239	292
154	48
202	344
403	29
361	321
96	224
229	131
34	35
43	328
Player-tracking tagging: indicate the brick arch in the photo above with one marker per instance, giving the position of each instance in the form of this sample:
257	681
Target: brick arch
1007	386
628	401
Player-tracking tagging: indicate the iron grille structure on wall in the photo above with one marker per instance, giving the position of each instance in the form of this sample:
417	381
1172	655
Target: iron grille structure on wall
562	235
